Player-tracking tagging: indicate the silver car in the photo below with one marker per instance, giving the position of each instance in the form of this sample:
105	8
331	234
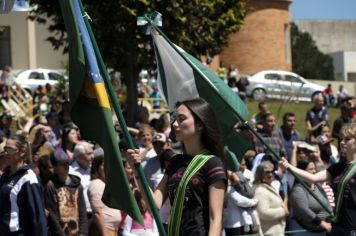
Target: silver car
281	85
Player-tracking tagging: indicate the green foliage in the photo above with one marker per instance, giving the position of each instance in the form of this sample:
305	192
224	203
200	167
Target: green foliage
308	61
201	27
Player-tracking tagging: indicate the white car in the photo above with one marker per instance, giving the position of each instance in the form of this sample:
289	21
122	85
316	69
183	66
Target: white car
281	85
31	79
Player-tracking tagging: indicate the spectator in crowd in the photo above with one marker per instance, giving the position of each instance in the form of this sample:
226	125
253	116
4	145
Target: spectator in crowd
233	73
343	182
156	167
287	132
5	124
341	94
196	127
132	228
22	211
105	220
233	85
53	122
65	200
83	156
271	209
241	85
222	73
330	96
70	138
270	136
245	169
324	140
164	125
240	216
145	136
157	96
6	80
316	117
345	118
46	169
262	110
307	212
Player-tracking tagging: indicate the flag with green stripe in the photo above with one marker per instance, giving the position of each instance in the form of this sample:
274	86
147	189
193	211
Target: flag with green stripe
91	111
181	77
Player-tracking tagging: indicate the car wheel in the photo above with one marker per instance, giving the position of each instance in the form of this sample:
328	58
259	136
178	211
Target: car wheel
259	94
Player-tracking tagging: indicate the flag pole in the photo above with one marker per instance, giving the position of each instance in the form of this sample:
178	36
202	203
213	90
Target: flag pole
117	109
239	117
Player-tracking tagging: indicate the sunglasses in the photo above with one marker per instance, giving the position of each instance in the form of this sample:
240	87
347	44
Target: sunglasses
9	151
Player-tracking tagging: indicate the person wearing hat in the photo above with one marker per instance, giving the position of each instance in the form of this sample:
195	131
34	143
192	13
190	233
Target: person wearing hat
5	124
155	168
53	121
64	199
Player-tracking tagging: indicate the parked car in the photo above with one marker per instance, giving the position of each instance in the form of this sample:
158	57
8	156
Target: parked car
281	85
31	79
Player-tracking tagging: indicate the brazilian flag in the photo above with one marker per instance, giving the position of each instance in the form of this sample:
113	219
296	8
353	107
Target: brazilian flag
90	109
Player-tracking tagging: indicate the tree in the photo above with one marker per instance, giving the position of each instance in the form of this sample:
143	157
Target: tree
200	26
307	60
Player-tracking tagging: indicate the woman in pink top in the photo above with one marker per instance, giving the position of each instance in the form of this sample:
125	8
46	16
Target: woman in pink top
105	220
132	228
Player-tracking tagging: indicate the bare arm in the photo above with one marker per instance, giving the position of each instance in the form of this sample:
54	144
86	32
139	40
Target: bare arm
293	158
314	178
161	192
216	202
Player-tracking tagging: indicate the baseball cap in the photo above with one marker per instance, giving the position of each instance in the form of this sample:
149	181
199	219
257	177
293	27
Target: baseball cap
305	145
159	137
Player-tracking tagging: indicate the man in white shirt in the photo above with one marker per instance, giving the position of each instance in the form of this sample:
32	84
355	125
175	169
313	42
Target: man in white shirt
83	156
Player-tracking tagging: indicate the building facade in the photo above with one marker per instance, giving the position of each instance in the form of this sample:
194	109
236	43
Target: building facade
23	44
336	38
264	42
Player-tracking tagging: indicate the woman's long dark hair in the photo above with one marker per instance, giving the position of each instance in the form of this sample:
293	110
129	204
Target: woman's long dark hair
205	116
95	166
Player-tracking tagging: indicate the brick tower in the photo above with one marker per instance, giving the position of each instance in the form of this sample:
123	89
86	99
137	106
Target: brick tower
264	41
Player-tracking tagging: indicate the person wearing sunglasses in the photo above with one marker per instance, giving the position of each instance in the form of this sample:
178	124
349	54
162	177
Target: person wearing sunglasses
21	200
271	209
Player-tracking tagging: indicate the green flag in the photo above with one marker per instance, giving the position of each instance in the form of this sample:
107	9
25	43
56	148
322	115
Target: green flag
181	77
90	109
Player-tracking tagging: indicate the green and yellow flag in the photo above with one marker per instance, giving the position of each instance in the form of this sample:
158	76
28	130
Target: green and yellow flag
90	109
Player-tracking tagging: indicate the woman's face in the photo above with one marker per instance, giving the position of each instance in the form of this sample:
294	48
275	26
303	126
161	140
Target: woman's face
311	168
184	125
348	146
146	137
326	131
12	153
73	136
268	175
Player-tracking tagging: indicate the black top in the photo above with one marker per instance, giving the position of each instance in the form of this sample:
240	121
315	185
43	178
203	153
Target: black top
195	216
347	216
21	204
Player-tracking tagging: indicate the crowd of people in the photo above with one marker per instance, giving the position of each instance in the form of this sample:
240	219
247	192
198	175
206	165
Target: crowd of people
52	180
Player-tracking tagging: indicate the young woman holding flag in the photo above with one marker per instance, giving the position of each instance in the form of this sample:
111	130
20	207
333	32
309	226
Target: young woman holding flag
195	182
343	178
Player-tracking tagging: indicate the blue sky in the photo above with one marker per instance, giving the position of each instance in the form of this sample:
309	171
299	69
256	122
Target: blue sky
324	9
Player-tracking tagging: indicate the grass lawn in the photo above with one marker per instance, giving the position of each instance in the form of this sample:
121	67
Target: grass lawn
300	109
